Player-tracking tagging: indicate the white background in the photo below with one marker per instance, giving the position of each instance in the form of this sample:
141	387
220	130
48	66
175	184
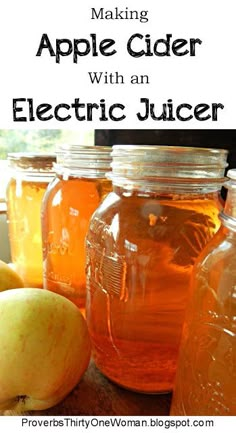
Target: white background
104	424
209	77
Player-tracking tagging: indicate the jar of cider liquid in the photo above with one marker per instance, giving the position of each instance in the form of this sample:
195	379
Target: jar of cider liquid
141	246
71	198
30	175
206	374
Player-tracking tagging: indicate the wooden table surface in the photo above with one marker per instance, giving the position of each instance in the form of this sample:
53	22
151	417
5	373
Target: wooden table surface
95	395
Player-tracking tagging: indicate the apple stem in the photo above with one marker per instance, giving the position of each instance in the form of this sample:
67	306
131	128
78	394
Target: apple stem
21	398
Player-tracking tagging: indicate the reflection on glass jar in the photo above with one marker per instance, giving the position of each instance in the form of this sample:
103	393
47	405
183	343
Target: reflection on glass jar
141	246
206	375
71	198
30	175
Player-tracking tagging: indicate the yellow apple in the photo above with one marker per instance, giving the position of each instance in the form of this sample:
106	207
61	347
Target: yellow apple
44	348
9	278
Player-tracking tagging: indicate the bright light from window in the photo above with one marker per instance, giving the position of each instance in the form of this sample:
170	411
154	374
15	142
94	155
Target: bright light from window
41	140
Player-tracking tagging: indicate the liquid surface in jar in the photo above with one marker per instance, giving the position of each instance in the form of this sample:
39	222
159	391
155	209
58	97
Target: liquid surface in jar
66	212
140	253
206	378
24	199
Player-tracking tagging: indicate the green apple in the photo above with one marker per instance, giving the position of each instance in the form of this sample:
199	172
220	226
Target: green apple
45	348
9	278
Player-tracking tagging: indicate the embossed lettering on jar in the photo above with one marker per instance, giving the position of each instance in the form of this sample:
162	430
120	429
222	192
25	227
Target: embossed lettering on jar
206	374
141	246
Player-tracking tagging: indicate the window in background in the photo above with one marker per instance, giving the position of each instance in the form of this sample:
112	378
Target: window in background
42	140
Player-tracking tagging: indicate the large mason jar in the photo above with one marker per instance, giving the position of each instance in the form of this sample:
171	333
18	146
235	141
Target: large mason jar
142	243
206	373
80	184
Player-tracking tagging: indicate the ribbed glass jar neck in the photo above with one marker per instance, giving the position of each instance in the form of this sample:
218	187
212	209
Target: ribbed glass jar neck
83	161
168	168
28	165
228	215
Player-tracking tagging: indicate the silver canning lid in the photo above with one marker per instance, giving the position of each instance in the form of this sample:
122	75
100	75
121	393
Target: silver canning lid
84	161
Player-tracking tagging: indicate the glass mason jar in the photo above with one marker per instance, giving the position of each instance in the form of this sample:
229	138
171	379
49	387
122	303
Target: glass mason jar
206	374
71	198
30	175
141	246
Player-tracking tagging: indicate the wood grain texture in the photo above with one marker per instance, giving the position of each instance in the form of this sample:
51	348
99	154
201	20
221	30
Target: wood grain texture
97	396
